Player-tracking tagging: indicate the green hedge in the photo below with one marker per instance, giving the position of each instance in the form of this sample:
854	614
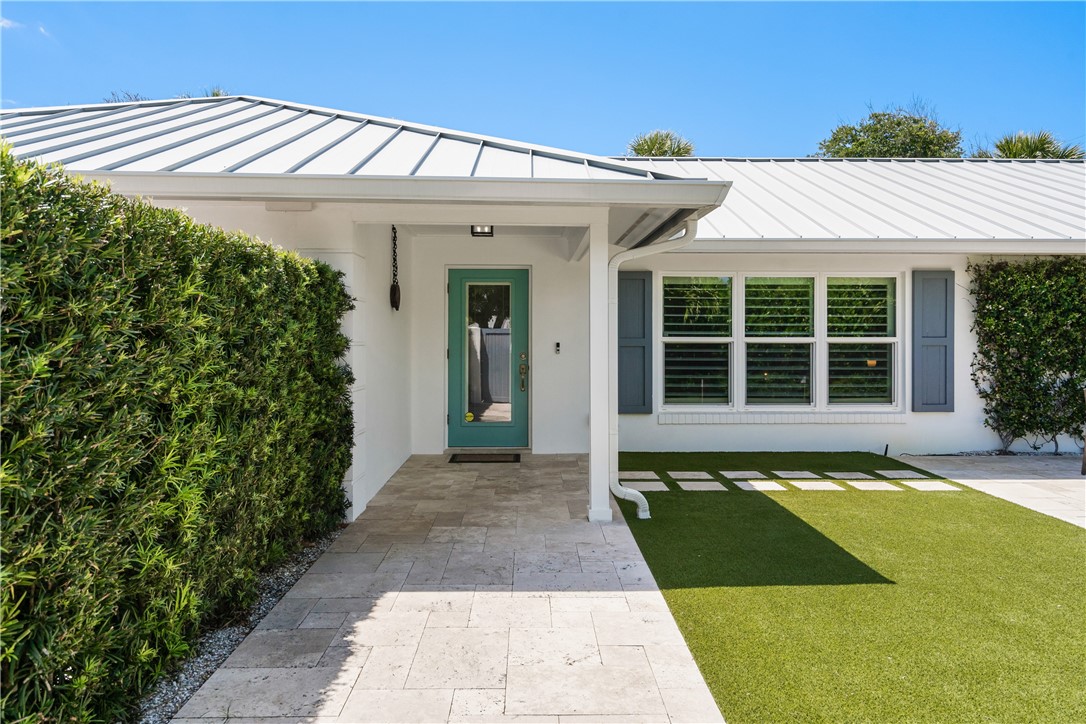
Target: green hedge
176	418
1030	364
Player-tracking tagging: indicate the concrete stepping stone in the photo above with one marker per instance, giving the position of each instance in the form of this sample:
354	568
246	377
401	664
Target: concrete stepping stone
637	475
900	474
759	485
815	485
873	485
849	476
741	474
645	486
690	475
701	485
787	474
928	485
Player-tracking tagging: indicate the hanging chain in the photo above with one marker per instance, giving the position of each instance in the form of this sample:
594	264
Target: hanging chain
395	261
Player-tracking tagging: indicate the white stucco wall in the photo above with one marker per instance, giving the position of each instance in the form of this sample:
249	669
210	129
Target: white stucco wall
383	435
558	309
689	428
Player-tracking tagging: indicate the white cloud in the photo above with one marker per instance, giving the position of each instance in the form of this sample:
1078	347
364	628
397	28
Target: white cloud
43	31
9	24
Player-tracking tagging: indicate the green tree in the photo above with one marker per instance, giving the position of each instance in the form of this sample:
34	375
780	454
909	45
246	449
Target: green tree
659	143
900	132
1030	145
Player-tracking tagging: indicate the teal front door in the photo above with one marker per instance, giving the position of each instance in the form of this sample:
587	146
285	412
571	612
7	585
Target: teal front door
488	358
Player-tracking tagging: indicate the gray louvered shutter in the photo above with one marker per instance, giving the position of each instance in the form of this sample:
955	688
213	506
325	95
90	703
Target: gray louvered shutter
635	342
933	341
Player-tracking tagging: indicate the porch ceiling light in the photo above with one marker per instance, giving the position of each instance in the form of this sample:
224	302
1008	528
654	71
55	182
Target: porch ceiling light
482	230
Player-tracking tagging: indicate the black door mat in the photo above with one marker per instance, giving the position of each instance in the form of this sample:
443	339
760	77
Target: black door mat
485	458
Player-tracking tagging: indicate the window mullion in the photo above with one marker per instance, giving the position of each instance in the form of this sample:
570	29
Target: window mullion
739	346
697	340
822	353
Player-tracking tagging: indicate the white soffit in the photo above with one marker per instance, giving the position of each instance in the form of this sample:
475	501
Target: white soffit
894	199
249	135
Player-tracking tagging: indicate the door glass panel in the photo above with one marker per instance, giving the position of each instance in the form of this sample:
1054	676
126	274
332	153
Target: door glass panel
489	359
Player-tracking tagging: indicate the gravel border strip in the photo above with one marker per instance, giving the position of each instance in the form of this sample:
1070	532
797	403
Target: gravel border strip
174	689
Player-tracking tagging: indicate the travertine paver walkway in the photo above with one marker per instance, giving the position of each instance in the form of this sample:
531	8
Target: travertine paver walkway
473	593
1049	484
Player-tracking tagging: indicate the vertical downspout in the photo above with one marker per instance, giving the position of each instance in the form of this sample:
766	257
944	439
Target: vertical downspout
617	489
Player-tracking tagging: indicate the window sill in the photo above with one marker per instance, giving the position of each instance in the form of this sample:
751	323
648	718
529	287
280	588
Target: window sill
894	417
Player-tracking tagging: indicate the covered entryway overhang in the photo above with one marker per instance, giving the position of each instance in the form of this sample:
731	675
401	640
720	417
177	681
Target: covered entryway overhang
592	225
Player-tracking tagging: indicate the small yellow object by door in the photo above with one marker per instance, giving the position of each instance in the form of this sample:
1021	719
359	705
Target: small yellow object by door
469	416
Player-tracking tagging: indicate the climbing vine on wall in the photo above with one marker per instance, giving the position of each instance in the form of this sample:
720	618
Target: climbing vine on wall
1030	364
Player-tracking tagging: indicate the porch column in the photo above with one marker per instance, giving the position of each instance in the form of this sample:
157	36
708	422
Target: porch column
599	376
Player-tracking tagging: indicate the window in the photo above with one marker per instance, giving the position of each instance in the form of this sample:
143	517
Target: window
861	316
697	340
816	341
779	327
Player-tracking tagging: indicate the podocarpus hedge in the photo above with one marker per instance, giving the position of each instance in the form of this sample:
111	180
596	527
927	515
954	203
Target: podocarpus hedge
175	420
1030	364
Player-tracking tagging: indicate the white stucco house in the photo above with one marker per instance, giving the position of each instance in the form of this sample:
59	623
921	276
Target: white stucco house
560	302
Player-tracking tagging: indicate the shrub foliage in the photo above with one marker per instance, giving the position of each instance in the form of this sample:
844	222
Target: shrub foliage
175	419
1030	364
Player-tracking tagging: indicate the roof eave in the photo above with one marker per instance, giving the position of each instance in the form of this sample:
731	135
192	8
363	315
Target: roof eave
980	246
297	187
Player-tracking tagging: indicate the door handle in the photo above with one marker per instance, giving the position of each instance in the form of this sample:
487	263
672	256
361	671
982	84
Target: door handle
523	377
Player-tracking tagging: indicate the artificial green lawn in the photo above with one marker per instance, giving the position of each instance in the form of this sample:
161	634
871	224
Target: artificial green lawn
865	605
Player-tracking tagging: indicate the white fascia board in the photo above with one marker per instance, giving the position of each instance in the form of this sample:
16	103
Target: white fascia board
297	187
888	246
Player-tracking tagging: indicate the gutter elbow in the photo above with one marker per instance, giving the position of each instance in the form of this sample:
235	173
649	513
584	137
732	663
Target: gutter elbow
689	232
622	492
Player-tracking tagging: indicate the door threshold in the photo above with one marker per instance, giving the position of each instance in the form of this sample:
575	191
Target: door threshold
487	450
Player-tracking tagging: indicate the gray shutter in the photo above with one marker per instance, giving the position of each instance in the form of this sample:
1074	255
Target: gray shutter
933	341
635	342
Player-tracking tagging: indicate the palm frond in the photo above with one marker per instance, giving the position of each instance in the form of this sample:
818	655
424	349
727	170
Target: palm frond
1035	145
659	143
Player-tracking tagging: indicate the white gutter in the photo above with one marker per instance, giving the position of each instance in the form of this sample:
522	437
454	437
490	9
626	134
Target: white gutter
617	489
299	187
1035	245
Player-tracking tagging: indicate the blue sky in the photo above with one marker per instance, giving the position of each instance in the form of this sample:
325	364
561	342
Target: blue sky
739	79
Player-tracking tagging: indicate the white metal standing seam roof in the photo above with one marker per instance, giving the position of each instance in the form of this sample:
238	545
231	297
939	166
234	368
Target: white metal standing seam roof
899	199
248	135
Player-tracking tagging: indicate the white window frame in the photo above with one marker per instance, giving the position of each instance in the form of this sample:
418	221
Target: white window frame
821	343
817	321
661	340
823	351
